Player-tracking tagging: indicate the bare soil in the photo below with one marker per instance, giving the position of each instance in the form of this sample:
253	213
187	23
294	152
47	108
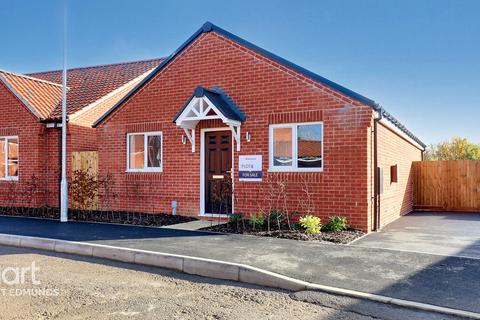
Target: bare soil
120	217
344	237
98	289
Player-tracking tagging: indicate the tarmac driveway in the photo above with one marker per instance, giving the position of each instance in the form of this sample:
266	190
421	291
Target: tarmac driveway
443	281
453	234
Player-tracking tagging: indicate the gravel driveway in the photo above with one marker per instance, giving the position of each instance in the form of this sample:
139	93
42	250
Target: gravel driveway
99	289
96	289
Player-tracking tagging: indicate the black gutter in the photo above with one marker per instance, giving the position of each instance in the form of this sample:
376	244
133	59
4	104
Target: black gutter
400	126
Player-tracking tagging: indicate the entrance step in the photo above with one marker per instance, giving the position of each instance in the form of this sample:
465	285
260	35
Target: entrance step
194	225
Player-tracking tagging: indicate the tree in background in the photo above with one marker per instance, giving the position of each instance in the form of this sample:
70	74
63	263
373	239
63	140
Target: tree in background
455	149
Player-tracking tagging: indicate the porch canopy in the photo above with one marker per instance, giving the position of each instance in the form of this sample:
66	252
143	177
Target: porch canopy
208	104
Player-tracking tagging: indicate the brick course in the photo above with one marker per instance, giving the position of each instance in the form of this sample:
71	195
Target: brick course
397	197
39	149
17	120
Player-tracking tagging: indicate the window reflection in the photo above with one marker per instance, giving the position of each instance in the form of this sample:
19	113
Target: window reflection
2	158
282	147
12	157
154	151
309	146
137	156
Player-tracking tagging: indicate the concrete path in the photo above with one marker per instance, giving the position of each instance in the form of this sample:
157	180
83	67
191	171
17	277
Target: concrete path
453	234
438	280
194	225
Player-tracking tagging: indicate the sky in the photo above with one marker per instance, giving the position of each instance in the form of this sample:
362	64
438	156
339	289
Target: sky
419	59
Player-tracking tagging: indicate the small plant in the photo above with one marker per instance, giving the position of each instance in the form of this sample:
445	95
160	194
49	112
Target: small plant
310	224
257	220
234	218
337	223
84	190
276	217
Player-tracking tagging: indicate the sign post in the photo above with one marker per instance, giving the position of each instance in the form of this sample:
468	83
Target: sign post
250	168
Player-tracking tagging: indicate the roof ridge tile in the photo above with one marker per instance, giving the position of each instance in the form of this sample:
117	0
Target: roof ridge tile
96	66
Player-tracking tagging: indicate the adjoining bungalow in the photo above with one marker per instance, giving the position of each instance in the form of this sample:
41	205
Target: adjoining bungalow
224	126
220	126
30	133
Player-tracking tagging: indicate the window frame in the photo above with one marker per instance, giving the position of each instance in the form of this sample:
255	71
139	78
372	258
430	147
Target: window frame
394	173
294	167
7	177
145	153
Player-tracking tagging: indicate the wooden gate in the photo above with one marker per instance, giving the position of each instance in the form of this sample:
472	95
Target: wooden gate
452	185
86	161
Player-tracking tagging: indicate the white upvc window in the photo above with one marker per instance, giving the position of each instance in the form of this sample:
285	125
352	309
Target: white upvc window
296	147
144	152
9	158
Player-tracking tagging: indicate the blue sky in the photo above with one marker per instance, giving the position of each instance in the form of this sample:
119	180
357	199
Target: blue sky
419	59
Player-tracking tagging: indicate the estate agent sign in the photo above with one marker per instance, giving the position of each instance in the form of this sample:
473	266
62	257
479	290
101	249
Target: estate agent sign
250	168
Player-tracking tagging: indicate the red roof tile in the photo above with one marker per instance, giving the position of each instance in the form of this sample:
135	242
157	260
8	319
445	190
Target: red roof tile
88	116
40	96
89	84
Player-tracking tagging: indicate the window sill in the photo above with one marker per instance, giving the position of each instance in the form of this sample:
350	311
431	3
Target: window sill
9	179
311	170
144	171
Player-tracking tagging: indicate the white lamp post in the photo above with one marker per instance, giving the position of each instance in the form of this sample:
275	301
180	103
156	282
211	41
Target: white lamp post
63	183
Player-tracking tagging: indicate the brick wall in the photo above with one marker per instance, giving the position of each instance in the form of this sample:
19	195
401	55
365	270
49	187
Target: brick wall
267	93
39	150
397	197
78	139
17	120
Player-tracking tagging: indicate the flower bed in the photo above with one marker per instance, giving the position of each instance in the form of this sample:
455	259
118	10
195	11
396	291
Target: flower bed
120	217
294	232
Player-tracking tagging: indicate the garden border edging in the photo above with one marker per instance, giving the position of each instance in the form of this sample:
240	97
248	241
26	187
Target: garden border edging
210	268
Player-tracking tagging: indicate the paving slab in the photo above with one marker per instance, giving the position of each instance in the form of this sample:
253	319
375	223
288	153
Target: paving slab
194	225
444	281
452	234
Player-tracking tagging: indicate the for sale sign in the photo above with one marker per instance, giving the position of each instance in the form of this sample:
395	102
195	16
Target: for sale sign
250	168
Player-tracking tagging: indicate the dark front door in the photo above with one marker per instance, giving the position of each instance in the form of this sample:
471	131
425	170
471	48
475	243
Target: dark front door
218	166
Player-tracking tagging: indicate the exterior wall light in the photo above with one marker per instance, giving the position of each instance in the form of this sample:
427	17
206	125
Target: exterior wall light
184	139
248	136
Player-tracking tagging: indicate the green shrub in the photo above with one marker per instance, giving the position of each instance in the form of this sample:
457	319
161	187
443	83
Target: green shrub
310	224
275	217
337	223
234	218
257	220
296	226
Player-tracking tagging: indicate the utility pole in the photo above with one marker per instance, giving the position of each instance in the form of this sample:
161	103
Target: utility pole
63	183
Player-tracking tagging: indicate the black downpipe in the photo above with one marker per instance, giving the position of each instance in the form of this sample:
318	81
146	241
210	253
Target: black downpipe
376	176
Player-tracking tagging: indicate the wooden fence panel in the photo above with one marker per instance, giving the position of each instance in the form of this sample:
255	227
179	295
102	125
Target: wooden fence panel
86	161
447	185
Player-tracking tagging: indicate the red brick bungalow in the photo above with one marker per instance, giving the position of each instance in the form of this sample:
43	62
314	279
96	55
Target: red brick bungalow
30	106
221	111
